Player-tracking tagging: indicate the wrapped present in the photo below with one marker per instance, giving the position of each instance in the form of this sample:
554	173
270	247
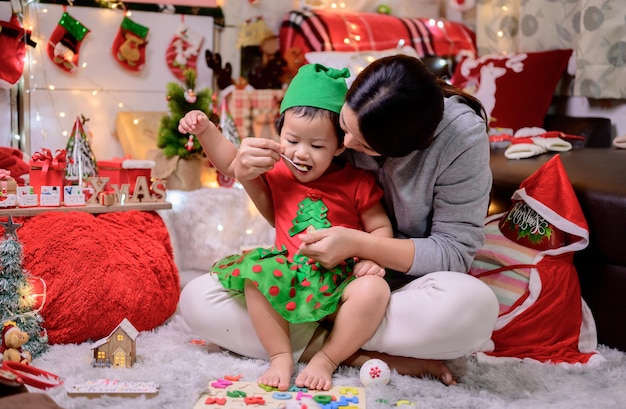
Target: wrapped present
8	189
253	112
124	171
50	196
7	183
26	197
48	170
107	198
73	196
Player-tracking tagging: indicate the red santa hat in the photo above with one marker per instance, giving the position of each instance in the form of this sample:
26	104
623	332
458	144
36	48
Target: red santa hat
549	192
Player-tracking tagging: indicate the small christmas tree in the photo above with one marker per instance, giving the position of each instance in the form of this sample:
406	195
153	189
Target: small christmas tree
16	300
182	99
82	162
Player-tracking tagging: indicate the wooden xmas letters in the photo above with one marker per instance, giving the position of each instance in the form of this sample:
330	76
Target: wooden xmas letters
141	192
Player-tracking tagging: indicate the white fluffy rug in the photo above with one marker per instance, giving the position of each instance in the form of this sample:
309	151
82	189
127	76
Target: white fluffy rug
182	369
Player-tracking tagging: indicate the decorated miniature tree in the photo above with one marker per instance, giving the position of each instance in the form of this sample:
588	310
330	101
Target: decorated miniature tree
82	162
17	302
183	98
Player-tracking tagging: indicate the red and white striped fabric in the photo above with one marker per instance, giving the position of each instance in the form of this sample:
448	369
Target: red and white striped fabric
323	30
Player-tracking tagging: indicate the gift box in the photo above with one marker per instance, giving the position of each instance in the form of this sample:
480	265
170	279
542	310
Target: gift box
124	171
50	196
73	196
7	183
107	198
8	189
48	170
26	197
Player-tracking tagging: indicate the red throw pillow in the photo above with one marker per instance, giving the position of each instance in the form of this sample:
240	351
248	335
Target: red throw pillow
100	269
516	89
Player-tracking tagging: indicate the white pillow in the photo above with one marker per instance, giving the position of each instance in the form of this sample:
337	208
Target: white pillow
355	61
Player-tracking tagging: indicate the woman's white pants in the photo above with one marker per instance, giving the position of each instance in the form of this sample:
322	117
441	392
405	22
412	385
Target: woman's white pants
442	315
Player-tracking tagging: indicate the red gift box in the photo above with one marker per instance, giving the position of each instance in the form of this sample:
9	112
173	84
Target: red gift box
48	170
122	171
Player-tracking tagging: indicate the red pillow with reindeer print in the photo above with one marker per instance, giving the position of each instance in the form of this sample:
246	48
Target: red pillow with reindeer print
515	89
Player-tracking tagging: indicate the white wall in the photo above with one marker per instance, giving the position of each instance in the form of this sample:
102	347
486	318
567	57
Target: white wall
73	93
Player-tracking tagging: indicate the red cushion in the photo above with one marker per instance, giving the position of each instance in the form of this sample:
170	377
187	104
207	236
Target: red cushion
516	89
99	270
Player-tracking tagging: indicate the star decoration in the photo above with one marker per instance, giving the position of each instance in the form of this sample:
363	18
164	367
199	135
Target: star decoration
10	227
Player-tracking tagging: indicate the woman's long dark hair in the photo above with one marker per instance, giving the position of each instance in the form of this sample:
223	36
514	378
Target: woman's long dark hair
399	103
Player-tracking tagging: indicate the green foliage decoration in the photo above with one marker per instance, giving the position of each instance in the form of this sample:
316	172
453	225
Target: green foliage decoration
180	101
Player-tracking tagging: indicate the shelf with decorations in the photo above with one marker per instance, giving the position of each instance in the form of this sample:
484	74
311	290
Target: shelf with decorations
122	198
72	180
87	208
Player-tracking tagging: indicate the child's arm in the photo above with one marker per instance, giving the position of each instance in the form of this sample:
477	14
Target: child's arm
374	221
259	193
220	151
222	154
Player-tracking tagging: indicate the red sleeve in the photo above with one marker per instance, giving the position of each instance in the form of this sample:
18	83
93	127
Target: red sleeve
367	192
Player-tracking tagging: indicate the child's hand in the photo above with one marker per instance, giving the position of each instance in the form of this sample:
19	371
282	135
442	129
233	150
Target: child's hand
368	267
194	122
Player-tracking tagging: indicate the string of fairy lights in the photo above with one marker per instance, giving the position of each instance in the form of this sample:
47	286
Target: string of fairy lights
34	63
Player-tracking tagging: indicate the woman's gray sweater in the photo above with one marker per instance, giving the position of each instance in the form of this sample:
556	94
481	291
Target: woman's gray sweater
439	196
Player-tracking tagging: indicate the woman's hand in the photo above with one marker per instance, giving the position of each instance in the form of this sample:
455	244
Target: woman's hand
329	246
255	157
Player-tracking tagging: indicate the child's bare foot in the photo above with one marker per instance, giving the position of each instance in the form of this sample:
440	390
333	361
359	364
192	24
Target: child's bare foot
280	372
318	374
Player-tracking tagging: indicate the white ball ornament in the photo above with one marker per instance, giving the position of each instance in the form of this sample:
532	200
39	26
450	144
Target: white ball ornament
375	372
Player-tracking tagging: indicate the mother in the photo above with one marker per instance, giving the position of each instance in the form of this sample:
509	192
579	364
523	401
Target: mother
427	143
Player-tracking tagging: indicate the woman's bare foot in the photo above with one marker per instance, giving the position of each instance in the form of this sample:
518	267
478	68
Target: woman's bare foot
421	368
280	372
318	374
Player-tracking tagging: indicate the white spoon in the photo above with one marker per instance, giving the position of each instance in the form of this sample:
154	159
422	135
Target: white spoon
301	168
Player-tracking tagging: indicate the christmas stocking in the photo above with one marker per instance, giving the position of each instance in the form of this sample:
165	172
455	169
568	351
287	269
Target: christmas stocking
182	52
13	41
65	41
129	46
529	142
